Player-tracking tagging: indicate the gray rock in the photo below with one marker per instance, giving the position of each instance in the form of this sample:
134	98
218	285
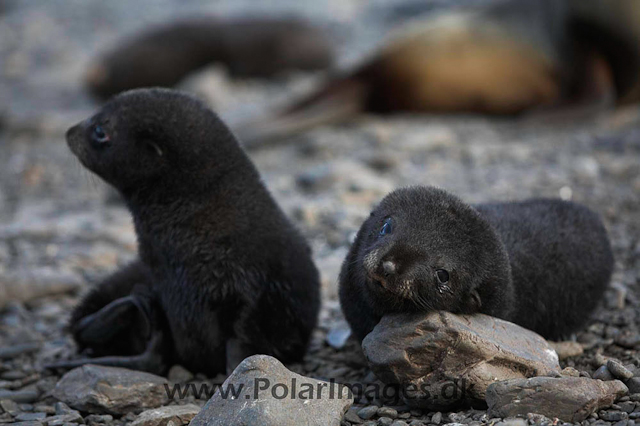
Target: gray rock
385	421
177	414
98	418
387	412
179	374
437	418
9	406
571	399
352	417
269	394
29	417
414	351
613	416
110	390
567	349
32	423
63	419
603	373
634	385
619	370
399	423
23	395
368	412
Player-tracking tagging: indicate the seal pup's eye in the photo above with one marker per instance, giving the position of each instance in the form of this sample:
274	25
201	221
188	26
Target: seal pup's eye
442	275
386	227
99	135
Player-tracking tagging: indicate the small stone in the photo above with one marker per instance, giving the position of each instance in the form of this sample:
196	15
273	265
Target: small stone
179	374
567	349
570	372
179	415
61	419
399	423
23	395
627	406
622	423
9	352
634	387
385	421
437	418
416	423
45	409
9	406
352	417
368	412
61	408
392	413
13	375
613	416
603	373
619	370
29	417
32	423
98	418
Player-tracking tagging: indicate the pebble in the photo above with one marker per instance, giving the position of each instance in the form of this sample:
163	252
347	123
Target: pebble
603	373
10	352
392	413
634	387
627	406
28	395
619	370
98	418
385	421
33	423
399	423
179	374
28	417
613	416
368	412
9	406
437	418
352	417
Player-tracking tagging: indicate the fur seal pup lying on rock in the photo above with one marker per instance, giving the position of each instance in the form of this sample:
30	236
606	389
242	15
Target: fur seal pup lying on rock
542	264
248	47
222	273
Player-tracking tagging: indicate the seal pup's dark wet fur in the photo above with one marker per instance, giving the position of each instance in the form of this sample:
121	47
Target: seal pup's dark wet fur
222	273
543	263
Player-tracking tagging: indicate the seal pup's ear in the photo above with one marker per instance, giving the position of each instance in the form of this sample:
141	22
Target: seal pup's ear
153	147
474	300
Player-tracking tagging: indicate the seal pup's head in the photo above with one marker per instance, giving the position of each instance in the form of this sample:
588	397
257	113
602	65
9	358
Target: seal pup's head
155	138
423	249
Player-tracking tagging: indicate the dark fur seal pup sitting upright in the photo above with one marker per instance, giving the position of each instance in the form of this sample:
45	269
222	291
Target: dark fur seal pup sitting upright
222	273
543	264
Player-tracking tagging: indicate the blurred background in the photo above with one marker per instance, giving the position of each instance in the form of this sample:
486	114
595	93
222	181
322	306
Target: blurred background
61	229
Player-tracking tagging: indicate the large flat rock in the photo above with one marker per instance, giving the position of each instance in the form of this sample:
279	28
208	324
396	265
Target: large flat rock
111	390
441	359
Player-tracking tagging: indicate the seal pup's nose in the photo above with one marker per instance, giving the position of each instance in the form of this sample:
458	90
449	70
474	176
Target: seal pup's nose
389	267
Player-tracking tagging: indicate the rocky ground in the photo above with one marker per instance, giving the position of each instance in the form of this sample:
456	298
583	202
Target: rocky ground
63	229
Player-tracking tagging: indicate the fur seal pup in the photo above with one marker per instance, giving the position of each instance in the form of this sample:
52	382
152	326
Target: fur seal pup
222	274
542	263
248	47
502	57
